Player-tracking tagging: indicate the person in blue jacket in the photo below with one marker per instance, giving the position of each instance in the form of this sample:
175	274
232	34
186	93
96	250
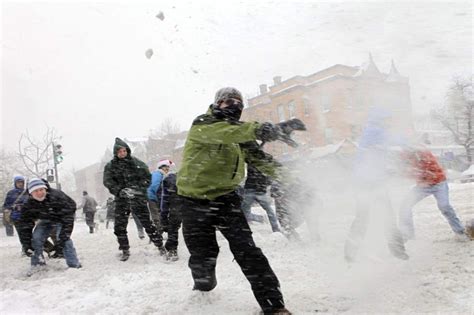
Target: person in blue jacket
13	204
154	193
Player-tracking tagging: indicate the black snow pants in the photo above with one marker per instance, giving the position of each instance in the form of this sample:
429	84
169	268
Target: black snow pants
174	224
201	218
123	207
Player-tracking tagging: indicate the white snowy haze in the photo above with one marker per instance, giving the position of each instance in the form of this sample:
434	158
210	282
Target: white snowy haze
94	71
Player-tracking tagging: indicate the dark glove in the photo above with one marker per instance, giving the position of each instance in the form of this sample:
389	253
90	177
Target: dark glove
126	193
268	132
290	125
287	127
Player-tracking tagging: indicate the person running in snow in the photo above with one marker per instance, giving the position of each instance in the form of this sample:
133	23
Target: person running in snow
255	189
170	205
154	193
127	178
50	209
430	180
371	172
212	168
89	206
13	204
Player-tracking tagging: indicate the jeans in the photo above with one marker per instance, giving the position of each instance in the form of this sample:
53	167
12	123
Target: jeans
41	233
250	195
441	193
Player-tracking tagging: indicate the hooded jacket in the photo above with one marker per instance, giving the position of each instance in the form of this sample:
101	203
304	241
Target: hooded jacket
15	199
214	157
128	172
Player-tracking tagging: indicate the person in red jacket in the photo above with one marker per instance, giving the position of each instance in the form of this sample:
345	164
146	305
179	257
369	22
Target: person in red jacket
430	180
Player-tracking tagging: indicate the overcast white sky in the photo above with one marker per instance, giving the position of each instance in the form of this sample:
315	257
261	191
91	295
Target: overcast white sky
81	67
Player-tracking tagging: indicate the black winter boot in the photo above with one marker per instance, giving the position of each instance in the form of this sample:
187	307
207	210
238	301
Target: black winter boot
125	255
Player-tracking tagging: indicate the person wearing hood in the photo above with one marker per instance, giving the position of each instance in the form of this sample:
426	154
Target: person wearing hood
154	192
48	209
212	168
13	204
371	172
128	178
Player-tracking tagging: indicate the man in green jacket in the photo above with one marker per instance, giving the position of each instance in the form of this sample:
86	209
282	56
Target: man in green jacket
127	178
216	149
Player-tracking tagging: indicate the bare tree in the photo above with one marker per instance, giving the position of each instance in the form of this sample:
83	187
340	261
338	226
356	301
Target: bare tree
167	127
457	115
37	155
9	167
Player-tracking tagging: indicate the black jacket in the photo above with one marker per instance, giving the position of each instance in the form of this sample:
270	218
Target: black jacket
128	172
170	192
56	207
256	180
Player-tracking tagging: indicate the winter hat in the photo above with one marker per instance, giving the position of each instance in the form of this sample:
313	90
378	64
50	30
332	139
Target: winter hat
227	92
35	184
164	163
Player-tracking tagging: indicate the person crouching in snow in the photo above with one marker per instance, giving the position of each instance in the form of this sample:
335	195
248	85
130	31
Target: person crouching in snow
430	180
51	209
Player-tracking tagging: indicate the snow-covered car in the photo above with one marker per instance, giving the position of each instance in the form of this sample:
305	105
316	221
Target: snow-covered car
468	175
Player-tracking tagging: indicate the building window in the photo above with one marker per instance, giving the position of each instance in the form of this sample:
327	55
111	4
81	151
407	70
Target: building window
325	103
291	110
281	113
328	134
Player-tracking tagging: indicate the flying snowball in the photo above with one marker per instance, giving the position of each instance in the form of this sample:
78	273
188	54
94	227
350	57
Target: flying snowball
149	53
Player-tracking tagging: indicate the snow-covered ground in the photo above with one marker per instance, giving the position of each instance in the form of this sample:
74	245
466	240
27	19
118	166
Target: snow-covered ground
438	278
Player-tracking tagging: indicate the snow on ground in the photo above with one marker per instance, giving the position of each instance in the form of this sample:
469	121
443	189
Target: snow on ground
438	278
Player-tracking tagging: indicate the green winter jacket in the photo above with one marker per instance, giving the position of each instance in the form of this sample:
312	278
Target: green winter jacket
214	157
128	172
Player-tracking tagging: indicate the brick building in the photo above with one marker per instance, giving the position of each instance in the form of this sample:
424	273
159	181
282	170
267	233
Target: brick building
333	103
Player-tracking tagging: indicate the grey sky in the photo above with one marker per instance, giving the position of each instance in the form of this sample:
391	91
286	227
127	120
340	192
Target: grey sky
81	67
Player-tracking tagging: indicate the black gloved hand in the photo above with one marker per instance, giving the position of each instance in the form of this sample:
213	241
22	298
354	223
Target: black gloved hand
127	193
289	126
268	132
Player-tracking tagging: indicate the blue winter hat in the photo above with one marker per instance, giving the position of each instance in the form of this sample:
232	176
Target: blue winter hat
35	184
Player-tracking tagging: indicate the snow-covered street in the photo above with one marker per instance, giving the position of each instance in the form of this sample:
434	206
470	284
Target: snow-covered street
438	278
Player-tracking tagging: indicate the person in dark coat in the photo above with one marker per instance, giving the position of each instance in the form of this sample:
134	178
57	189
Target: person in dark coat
89	206
170	204
49	209
127	178
13	204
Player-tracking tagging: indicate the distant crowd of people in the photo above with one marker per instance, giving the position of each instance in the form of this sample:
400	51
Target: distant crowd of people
224	171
